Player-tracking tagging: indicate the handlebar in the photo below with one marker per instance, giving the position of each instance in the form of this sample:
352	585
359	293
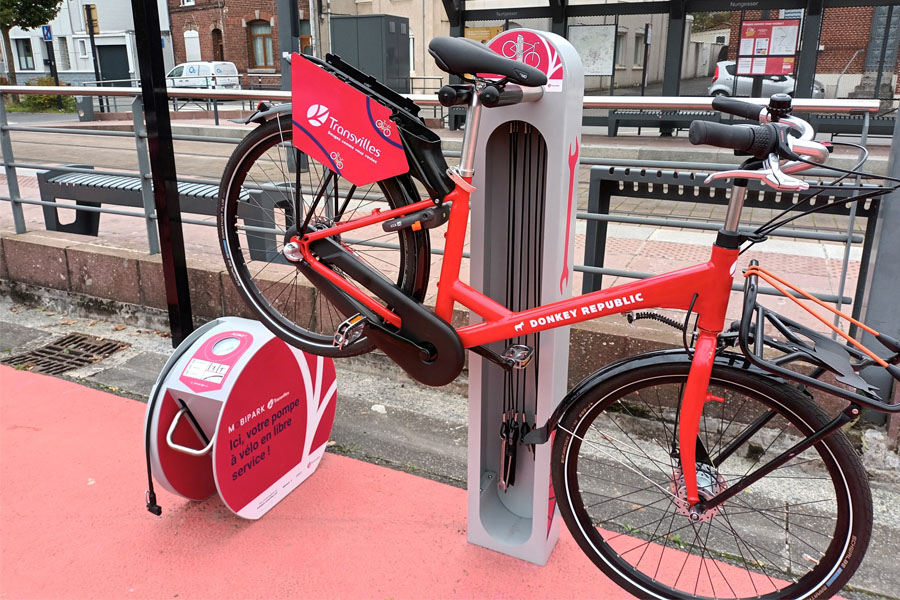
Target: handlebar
771	142
738	108
490	95
757	140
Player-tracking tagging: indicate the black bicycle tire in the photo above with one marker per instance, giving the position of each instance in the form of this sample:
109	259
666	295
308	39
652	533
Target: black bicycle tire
413	244
828	578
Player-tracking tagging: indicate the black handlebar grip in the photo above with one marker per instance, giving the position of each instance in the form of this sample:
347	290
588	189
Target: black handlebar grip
721	136
455	95
756	140
738	108
492	97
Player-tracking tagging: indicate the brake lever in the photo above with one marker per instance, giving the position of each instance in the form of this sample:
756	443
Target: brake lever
771	175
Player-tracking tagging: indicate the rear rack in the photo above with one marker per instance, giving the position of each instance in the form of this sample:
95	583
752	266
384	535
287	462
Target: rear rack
801	345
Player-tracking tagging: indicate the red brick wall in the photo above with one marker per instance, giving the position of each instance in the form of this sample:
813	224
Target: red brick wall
231	17
844	30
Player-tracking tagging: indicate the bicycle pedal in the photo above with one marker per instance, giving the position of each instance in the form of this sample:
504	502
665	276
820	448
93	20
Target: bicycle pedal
518	356
349	331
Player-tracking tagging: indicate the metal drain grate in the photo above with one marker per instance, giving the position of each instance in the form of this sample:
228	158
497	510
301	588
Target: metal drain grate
71	352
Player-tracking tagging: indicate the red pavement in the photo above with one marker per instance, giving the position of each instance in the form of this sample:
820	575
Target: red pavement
73	524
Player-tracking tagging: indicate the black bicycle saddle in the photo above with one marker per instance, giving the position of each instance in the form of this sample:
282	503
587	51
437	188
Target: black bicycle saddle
460	55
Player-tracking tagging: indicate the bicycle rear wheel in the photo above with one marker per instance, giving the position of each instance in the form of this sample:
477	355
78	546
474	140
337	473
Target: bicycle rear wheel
256	219
799	532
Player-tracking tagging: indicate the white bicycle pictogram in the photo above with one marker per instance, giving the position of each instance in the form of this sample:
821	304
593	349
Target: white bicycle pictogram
384	126
338	160
522	51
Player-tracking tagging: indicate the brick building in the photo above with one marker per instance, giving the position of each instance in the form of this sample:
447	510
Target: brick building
244	32
849	49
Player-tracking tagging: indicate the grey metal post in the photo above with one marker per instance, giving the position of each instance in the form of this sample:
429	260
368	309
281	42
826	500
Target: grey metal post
806	63
288	37
842	282
162	161
674	55
140	140
884	45
522	234
879	309
12	181
560	22
456	15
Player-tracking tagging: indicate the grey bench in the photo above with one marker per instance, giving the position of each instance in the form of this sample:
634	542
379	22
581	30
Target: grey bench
851	124
95	190
656	118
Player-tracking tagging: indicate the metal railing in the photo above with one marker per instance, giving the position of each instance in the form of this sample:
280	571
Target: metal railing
865	107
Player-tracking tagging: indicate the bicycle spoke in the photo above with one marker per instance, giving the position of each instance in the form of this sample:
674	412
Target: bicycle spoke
625	481
275	189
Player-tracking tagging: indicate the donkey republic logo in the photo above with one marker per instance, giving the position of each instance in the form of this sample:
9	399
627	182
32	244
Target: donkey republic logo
317	115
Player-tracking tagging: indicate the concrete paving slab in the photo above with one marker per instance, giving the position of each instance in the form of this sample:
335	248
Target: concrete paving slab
135	376
13	337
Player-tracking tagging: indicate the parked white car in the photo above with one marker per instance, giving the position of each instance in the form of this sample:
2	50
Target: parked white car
723	83
205	74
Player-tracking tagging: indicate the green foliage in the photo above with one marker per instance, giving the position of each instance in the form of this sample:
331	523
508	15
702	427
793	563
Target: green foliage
707	21
34	103
27	14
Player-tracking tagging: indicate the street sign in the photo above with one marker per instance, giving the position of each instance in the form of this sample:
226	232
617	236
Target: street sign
47	33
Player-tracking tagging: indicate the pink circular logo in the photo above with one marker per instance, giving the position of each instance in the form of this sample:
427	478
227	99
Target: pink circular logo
317	115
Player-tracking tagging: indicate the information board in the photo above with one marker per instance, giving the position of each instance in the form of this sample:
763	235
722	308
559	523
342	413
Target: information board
596	45
768	47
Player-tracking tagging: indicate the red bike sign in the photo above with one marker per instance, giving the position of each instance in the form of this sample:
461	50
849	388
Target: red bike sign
342	128
533	50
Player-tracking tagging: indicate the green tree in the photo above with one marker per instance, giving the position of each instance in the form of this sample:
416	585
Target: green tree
711	20
26	14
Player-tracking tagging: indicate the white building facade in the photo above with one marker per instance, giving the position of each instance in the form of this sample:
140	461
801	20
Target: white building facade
115	44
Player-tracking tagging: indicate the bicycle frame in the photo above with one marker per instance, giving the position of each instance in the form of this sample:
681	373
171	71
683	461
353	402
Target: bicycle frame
703	288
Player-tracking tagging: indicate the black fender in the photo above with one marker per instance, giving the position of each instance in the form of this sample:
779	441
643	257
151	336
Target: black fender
640	361
265	112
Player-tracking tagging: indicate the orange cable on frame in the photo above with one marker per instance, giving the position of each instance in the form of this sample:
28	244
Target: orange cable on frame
774	281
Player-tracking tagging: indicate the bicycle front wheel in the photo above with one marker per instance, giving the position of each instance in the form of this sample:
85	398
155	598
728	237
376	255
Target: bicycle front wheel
799	532
265	181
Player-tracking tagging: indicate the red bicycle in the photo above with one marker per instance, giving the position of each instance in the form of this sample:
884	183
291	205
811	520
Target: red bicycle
699	472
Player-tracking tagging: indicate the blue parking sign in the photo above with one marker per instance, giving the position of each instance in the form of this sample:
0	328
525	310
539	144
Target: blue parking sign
47	33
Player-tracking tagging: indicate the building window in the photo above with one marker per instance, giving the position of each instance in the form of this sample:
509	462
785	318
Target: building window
191	46
218	45
26	58
260	33
62	62
82	48
187	2
620	49
639	49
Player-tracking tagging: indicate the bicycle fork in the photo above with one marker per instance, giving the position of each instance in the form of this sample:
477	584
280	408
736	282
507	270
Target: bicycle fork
696	395
710	324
